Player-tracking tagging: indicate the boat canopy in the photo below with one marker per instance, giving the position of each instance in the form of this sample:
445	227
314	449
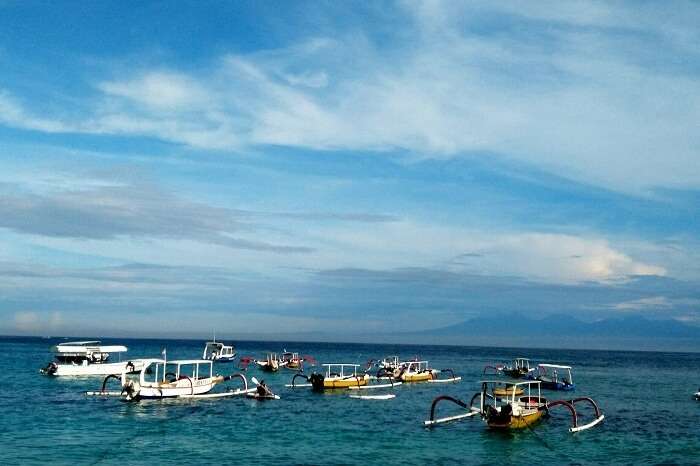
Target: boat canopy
345	369
543	369
511	396
86	347
554	366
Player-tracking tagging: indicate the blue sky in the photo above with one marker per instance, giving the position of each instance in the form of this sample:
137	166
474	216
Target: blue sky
345	166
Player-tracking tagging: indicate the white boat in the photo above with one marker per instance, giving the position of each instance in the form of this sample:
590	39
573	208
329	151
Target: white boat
89	358
389	363
217	351
271	363
414	371
191	378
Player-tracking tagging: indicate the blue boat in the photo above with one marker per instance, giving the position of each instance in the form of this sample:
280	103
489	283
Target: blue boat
554	377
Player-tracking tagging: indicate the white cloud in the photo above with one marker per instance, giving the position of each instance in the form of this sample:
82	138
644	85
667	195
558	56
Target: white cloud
652	303
573	88
158	89
12	113
546	257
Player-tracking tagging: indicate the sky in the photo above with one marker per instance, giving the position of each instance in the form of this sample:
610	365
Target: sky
345	167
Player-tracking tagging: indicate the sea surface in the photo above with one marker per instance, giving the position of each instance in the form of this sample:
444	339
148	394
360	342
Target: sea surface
650	416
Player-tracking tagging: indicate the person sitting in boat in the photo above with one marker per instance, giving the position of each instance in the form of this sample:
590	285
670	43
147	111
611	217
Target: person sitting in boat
263	389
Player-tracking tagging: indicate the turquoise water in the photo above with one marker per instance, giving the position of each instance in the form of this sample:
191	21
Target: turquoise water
646	398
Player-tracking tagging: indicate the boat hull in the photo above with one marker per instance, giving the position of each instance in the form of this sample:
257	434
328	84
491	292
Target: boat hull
224	358
267	367
183	387
515	373
358	381
557	386
73	370
417	377
516	422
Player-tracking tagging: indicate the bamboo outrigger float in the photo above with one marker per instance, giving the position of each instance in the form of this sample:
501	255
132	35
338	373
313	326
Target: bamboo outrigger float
512	411
160	379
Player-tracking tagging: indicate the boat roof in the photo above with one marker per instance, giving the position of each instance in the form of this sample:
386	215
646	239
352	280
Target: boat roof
190	361
179	361
80	343
341	364
554	366
83	347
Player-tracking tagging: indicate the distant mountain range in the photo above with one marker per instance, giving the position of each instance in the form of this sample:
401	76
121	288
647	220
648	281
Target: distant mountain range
517	325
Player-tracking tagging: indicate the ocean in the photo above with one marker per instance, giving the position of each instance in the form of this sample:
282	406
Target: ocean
650	415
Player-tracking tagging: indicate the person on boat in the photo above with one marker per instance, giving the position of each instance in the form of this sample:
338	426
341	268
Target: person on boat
263	390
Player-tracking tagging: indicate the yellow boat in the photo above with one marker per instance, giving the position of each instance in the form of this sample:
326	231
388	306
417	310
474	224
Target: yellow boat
508	410
513	411
338	376
415	371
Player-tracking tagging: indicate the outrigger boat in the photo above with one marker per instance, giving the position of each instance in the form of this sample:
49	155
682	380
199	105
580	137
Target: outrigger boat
549	376
295	362
697	395
160	379
271	363
217	351
413	371
77	358
341	376
519	368
512	411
